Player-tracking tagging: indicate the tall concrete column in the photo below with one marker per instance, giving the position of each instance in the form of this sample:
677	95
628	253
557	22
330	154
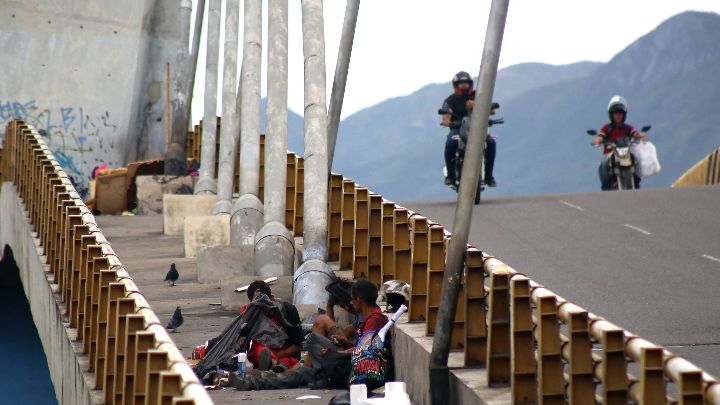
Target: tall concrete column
274	244
247	213
206	182
175	158
314	274
230	129
341	73
194	52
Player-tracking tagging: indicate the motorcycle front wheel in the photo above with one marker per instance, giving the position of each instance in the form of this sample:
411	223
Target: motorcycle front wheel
626	180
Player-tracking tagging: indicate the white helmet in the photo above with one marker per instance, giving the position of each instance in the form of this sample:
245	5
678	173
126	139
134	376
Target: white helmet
617	103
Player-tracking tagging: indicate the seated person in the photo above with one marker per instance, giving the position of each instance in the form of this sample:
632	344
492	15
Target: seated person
326	364
288	355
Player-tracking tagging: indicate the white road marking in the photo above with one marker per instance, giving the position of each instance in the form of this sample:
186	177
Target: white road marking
571	205
715	259
637	229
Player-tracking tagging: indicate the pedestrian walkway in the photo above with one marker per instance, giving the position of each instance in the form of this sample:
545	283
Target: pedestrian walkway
147	253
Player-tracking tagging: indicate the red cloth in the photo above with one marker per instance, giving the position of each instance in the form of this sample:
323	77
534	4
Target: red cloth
256	348
616	132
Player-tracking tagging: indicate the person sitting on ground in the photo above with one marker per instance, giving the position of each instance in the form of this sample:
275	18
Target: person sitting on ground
288	355
325	325
326	365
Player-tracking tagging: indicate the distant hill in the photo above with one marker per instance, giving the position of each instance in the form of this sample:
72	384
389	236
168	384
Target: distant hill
668	76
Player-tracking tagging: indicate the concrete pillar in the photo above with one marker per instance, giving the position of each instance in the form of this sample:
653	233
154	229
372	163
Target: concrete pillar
194	52
230	129
206	181
314	274
247	213
341	73
274	244
175	158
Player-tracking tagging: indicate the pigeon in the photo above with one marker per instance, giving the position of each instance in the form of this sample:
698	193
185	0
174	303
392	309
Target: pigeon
172	275
176	320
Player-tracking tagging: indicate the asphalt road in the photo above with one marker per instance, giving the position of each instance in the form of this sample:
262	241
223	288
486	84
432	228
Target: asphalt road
646	260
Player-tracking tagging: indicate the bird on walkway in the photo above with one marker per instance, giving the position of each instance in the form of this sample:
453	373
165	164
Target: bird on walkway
172	275
176	320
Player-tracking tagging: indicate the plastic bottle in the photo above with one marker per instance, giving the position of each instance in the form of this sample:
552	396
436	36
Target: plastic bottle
391	322
241	358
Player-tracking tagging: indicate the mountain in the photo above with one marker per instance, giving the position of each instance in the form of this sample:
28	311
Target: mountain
668	77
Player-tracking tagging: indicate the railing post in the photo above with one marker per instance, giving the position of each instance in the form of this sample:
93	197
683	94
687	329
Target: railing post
581	384
550	365
652	377
362	235
107	331
157	361
614	368
290	194
388	239
436	269
115	377
335	206
299	197
498	359
347	233
524	377
419	275
403	264
475	322
144	341
375	241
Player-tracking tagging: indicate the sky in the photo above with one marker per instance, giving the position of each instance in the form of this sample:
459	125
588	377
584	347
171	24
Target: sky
403	45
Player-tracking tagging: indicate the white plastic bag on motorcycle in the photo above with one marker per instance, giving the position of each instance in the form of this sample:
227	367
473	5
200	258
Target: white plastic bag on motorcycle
646	157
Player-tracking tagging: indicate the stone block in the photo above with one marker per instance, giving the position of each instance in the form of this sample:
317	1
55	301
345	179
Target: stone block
208	230
152	189
176	207
215	261
232	300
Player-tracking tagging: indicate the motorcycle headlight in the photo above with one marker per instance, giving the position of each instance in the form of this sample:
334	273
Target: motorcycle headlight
622	152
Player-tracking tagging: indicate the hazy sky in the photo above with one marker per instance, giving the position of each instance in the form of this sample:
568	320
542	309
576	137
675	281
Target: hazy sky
402	45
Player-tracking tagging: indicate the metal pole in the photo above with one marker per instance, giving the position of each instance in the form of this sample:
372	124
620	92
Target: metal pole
175	164
206	181
274	244
194	54
247	213
439	381
314	274
229	130
341	73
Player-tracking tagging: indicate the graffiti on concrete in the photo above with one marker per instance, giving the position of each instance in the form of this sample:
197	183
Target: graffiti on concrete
80	140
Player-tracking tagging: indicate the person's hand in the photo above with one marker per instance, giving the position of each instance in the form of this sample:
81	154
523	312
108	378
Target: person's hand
455	137
340	340
597	140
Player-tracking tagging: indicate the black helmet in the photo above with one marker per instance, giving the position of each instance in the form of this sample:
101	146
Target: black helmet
462	77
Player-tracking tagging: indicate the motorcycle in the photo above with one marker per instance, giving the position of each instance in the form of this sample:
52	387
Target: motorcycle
620	161
458	160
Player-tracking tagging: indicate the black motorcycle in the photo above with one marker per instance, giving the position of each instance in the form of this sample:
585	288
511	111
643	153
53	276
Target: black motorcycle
458	160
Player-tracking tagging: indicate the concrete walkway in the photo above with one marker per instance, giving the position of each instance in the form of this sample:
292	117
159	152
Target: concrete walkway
147	253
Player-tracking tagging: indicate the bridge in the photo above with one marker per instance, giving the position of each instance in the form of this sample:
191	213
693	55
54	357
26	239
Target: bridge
562	298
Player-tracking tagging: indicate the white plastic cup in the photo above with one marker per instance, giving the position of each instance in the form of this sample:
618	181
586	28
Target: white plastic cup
358	394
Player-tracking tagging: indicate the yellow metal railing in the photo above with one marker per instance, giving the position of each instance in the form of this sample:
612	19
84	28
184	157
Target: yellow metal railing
132	356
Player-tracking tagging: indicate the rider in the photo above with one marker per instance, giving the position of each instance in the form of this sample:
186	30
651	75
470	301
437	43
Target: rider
455	104
617	128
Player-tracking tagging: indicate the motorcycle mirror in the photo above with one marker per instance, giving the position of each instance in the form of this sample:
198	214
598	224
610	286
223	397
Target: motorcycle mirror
591	132
645	128
444	111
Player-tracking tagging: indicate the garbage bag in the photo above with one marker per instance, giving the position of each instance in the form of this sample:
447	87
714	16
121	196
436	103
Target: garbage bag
646	157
